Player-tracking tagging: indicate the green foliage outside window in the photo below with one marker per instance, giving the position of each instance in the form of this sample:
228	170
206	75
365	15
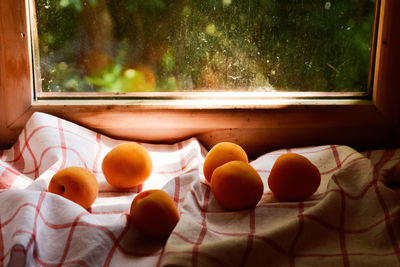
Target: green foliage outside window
169	45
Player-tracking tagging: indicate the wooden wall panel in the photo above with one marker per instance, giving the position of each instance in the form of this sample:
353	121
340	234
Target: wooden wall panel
15	67
387	71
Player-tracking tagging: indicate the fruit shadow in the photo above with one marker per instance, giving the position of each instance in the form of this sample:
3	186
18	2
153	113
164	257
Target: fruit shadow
107	190
139	244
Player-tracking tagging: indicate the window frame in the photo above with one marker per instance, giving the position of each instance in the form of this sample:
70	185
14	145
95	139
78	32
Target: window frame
259	125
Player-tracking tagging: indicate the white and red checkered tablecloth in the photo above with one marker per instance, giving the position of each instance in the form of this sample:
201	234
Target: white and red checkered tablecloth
352	220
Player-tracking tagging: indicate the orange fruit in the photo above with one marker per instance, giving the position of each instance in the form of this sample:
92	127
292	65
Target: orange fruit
220	154
293	178
76	184
237	185
153	212
127	165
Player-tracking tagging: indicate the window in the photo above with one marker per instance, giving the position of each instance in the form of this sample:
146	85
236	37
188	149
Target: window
261	124
164	45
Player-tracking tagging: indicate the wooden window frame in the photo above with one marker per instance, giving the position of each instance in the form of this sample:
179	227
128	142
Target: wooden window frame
260	125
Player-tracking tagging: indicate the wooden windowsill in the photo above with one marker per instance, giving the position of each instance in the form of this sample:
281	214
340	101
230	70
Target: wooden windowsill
257	128
192	103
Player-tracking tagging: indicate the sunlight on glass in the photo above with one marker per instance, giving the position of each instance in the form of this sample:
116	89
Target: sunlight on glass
209	45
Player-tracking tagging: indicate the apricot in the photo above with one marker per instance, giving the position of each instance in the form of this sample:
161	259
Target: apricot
127	165
220	154
154	213
76	184
237	185
293	178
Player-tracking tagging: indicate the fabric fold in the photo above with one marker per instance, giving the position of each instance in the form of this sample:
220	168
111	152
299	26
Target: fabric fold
352	219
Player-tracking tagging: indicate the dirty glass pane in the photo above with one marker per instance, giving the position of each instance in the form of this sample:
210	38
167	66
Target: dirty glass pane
204	45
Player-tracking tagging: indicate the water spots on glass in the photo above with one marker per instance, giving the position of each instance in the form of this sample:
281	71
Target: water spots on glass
204	45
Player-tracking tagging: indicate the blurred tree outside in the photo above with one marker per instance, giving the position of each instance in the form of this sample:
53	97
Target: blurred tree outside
207	45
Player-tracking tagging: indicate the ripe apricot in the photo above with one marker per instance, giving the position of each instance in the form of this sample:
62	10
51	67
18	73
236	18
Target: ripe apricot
127	165
220	154
237	185
293	178
153	212
76	184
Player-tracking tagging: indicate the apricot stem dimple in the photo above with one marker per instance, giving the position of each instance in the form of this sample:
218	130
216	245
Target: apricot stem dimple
62	188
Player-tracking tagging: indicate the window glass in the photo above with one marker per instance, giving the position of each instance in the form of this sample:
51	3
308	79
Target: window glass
204	45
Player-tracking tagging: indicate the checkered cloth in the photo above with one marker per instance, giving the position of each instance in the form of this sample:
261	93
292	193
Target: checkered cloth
352	220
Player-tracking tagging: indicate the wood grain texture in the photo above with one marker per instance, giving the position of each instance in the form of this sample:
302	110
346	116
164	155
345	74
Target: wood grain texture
386	94
15	67
258	130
